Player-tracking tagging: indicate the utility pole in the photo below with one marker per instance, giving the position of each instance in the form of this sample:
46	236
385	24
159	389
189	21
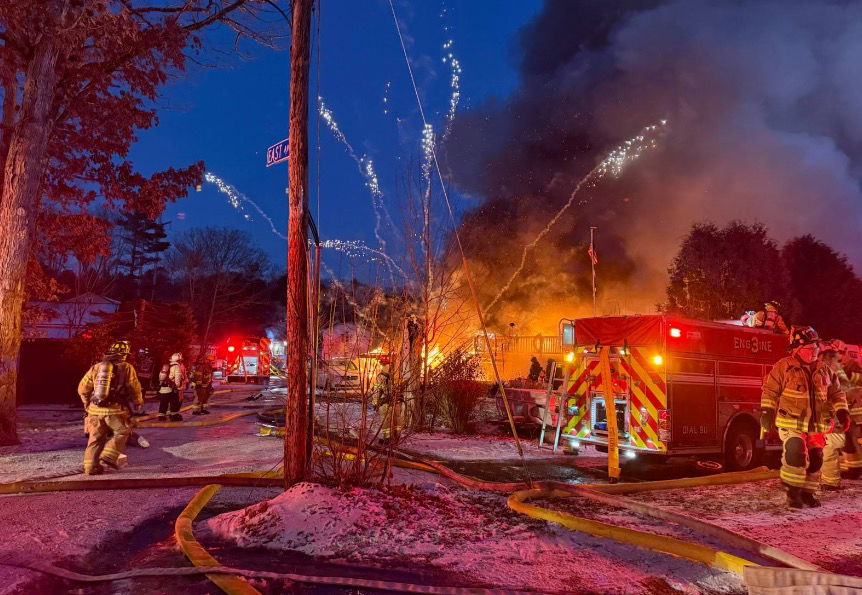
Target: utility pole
593	262
296	405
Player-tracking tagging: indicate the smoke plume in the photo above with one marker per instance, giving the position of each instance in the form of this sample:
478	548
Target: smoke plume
763	104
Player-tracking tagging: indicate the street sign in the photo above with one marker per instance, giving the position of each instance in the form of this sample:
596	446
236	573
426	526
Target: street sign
277	153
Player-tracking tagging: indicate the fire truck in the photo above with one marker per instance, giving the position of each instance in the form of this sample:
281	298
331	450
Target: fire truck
681	387
247	359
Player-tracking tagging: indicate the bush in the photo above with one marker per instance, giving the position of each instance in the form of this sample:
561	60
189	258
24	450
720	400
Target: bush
458	402
457	391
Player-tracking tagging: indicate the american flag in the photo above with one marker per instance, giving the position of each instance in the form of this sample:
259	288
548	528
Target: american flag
592	253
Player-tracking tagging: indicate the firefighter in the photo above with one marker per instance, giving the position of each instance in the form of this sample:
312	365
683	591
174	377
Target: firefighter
800	395
852	384
770	319
110	391
202	383
172	383
834	439
387	404
535	369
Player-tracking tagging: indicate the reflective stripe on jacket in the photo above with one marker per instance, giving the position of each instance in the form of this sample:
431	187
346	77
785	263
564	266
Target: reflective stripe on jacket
804	401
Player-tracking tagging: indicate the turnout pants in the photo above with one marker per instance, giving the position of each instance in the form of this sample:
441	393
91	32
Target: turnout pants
202	397
830	474
169	403
108	436
800	465
853	448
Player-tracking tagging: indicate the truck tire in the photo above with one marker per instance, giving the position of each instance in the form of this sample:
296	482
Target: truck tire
740	448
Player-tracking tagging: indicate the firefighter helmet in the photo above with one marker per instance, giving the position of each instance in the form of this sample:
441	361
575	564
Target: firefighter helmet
773	304
176	358
120	348
836	345
803	335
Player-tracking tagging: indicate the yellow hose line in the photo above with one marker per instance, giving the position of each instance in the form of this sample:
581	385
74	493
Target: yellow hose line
759	474
140	483
186	408
203	422
195	552
658	543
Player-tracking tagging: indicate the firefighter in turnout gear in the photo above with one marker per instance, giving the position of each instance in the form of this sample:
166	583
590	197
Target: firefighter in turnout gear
172	383
769	319
851	382
835	439
800	396
110	391
389	406
202	383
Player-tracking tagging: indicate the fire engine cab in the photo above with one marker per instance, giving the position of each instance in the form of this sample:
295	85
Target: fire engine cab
681	386
247	359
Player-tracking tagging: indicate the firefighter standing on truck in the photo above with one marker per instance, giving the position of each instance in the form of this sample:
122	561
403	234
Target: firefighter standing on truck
770	319
800	395
110	390
202	383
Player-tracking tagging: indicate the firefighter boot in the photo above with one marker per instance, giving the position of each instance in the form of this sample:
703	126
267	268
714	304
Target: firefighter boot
810	500
197	411
794	497
176	417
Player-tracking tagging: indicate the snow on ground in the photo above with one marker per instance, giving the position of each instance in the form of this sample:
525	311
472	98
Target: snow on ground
453	447
830	536
467	532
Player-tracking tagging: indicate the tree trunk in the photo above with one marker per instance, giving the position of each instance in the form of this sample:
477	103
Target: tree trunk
22	175
296	412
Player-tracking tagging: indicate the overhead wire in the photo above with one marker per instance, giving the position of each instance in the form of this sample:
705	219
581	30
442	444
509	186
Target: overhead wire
465	265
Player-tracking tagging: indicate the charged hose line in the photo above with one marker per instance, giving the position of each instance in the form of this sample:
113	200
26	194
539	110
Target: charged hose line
197	554
203	422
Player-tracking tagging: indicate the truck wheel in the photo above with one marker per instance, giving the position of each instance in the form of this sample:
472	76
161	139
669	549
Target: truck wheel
740	452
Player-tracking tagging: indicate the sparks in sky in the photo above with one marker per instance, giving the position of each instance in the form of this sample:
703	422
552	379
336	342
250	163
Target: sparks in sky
612	164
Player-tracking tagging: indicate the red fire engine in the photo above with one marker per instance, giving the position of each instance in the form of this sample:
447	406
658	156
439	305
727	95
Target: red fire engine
681	386
247	359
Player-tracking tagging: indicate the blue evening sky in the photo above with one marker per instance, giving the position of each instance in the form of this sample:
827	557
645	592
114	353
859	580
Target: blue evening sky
229	115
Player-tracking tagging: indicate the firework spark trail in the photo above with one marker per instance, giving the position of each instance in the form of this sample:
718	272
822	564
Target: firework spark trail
236	198
454	83
353	248
613	164
366	168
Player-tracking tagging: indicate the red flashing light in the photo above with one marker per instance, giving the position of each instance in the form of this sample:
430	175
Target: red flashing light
231	348
675	333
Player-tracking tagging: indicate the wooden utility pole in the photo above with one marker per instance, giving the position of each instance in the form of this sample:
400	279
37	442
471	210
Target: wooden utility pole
296	406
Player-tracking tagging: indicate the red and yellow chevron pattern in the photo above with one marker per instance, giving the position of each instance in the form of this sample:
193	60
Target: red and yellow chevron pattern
632	374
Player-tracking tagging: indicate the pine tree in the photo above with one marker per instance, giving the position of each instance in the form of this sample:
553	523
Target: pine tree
142	241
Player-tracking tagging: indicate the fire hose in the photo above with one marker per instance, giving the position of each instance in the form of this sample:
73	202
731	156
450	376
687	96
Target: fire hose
603	493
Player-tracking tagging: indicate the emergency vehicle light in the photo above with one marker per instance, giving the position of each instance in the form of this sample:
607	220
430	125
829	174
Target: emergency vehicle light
675	333
231	348
657	359
570	356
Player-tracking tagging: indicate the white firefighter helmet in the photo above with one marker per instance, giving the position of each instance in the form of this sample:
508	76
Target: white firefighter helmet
176	358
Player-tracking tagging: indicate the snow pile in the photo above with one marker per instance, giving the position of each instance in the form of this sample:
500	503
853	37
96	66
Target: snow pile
471	534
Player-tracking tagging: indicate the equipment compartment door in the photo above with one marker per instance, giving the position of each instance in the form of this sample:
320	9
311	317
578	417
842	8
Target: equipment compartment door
692	393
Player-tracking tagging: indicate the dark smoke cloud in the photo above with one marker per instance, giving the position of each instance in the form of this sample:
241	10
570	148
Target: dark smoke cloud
763	102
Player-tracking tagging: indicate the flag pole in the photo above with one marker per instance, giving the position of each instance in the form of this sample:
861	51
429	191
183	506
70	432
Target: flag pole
593	264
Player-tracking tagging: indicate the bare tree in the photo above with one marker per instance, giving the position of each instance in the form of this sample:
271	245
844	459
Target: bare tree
218	268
